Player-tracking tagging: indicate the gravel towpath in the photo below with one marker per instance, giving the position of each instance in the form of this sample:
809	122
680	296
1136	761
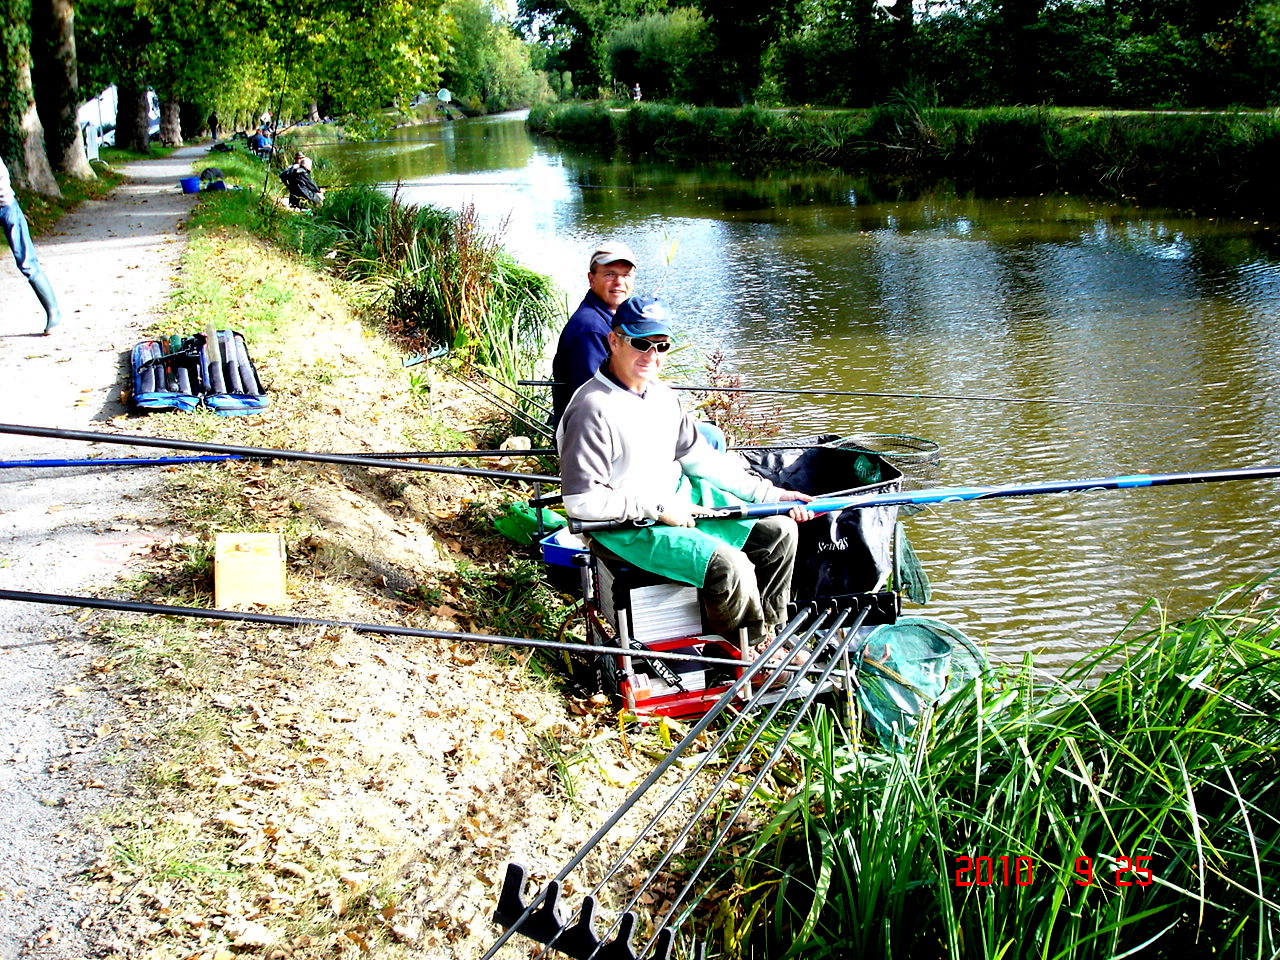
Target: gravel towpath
71	530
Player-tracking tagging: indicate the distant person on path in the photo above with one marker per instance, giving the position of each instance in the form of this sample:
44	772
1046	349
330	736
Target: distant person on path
635	93
213	125
297	177
584	342
18	234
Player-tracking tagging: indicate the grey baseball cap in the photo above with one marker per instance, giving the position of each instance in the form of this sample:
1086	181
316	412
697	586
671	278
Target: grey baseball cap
612	252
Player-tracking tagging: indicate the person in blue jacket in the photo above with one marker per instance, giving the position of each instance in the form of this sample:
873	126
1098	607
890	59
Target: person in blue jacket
584	342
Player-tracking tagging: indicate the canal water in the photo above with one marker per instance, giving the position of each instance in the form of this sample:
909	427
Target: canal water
1155	333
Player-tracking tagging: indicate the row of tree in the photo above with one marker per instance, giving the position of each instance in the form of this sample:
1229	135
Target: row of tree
337	57
1120	53
237	58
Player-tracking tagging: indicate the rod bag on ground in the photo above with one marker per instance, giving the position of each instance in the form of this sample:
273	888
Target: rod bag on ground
184	373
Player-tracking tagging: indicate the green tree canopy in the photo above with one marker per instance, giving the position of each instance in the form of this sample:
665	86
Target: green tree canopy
575	31
488	64
666	53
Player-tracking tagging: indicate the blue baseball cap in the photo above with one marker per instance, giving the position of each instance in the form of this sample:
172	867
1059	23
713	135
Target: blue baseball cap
643	317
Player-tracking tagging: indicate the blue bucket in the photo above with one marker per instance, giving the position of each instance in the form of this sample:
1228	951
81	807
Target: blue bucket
190	184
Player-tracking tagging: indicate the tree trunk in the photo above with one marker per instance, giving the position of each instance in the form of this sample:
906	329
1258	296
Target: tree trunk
313	112
21	135
170	124
57	86
193	120
900	41
132	118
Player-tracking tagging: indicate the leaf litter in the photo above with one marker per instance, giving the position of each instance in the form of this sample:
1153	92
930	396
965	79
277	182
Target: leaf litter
318	792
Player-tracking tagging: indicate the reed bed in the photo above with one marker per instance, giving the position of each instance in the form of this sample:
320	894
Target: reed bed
1127	809
441	280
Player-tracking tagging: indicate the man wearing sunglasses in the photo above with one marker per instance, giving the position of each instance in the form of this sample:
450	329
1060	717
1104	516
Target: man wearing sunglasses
584	342
629	452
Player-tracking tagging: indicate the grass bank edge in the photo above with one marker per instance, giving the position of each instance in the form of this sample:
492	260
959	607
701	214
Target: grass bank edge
181	840
1162	745
1219	161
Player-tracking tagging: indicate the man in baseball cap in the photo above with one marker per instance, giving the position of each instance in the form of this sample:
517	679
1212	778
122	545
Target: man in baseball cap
630	452
584	342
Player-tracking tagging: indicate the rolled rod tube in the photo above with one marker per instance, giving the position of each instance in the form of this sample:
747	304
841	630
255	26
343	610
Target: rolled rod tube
146	370
231	364
248	372
211	360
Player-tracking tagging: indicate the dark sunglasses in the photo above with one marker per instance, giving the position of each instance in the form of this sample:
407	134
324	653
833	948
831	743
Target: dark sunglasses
644	346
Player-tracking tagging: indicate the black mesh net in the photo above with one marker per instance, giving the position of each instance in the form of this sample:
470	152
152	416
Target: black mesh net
915	458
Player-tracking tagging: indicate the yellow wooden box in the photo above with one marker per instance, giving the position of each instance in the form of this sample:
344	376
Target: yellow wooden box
248	568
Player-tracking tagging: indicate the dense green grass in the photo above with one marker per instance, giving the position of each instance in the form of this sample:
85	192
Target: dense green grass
1220	161
1163	746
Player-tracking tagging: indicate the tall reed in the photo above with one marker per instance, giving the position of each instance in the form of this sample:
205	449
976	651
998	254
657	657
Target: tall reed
1163	747
438	276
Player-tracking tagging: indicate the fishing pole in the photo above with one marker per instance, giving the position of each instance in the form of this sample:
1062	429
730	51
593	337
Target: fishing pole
903	396
389	630
506	386
223	457
728	820
797	685
507	405
116	461
951	495
267	453
550	893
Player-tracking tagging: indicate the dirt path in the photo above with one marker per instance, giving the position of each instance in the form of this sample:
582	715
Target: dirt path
69	530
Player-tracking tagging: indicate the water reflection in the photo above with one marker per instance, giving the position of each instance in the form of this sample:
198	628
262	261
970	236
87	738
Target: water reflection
818	280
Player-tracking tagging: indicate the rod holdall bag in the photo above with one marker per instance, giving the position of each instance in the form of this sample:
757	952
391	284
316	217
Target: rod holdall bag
183	373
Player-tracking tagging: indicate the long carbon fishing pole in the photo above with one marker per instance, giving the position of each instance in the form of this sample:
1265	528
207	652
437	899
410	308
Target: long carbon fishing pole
223	457
955	495
506	405
763	695
266	453
399	455
904	396
550	893
836	656
382	629
117	461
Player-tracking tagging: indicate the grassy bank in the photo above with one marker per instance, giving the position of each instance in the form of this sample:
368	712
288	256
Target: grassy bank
1128	808
1206	161
318	792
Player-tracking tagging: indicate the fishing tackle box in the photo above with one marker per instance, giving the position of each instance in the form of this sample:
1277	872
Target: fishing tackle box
183	373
